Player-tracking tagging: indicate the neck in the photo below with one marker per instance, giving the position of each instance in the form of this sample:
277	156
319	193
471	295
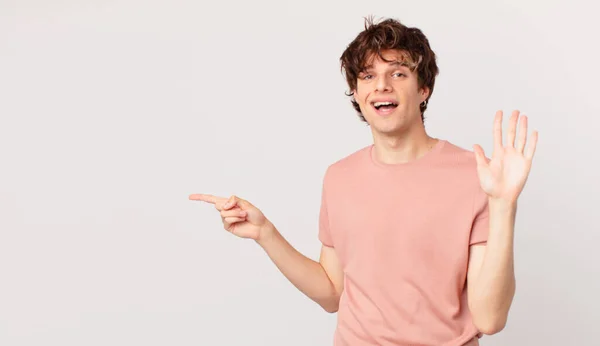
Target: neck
402	148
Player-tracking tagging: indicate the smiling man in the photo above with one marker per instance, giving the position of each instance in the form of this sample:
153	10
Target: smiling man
416	232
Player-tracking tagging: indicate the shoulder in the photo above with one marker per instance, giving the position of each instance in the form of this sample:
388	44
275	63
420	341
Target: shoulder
458	164
349	163
458	156
464	170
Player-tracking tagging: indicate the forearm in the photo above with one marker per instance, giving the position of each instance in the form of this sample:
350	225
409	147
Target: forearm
494	287
307	275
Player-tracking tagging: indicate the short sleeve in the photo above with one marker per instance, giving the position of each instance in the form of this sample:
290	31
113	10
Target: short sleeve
481	221
324	229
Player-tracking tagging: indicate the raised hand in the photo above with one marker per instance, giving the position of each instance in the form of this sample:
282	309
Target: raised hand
504	176
239	216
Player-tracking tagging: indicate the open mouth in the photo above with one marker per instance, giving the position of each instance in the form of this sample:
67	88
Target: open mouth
384	105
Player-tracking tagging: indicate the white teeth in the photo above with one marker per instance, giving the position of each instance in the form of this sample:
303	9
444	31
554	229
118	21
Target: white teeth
377	104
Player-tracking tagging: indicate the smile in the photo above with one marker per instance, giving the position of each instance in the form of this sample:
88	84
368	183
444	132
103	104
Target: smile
384	107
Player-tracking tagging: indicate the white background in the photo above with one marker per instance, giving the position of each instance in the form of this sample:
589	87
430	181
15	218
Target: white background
113	112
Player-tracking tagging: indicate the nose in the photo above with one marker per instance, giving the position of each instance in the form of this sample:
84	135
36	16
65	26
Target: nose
383	84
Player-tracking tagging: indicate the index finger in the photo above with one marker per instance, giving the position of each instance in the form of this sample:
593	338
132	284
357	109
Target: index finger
204	198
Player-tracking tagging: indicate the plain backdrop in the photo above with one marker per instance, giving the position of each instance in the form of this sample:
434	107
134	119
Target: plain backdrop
113	112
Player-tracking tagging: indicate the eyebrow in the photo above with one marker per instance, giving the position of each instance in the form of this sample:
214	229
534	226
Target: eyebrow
395	63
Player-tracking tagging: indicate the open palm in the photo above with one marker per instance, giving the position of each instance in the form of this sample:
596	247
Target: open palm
504	176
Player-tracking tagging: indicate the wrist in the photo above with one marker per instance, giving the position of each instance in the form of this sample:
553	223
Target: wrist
266	234
502	204
502	216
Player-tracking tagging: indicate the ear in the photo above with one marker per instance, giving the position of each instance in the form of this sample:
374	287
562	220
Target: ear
424	93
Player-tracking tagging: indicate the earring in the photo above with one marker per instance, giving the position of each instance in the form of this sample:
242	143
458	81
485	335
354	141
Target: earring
424	103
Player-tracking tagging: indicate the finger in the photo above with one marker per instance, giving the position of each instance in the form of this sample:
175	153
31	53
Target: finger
497	133
237	212
480	156
216	201
204	198
522	134
236	201
512	129
229	221
531	147
231	202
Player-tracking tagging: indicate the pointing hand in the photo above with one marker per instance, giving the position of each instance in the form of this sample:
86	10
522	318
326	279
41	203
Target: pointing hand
239	216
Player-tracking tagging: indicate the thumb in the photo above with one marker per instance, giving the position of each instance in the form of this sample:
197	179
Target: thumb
242	203
482	161
235	201
254	215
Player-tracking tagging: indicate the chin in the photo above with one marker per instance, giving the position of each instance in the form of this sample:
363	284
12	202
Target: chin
389	130
389	125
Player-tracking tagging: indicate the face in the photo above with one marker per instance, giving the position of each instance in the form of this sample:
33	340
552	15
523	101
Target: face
389	96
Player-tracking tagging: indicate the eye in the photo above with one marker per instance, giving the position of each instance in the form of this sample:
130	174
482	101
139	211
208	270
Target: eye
399	74
367	76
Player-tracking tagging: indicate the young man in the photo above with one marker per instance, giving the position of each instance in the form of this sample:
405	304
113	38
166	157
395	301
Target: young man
416	233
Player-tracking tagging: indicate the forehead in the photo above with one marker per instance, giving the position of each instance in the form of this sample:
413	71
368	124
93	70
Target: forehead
385	58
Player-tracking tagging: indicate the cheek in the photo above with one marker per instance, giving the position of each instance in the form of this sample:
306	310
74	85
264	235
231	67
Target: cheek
361	94
411	96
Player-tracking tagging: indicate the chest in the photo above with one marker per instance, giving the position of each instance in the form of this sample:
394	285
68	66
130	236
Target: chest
405	224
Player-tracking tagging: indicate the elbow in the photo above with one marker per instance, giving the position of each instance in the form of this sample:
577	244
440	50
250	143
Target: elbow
489	321
492	329
491	326
331	308
490	317
331	304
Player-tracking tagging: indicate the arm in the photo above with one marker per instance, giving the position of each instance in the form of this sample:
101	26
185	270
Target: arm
491	276
321	281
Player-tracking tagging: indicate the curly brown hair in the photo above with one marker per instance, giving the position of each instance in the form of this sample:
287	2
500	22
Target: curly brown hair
390	34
